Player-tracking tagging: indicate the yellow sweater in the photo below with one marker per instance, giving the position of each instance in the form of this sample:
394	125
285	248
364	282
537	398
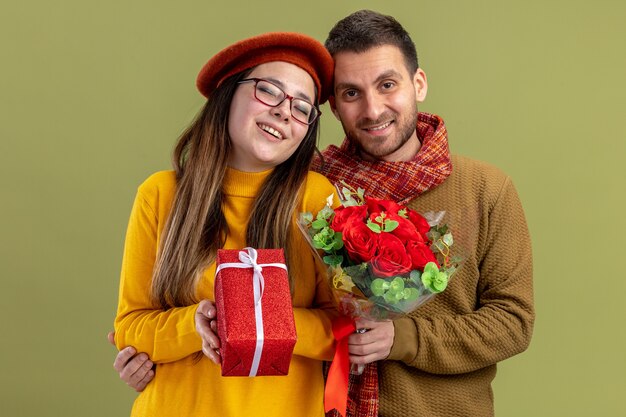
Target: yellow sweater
184	386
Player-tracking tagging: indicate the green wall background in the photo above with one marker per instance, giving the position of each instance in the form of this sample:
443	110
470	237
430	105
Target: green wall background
93	95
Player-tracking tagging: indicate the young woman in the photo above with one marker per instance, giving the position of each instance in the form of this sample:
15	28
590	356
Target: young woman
240	178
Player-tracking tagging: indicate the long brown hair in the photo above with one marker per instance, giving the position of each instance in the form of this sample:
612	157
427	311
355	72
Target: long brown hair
196	227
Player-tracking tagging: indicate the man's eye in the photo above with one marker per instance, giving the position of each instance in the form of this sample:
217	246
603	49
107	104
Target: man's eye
350	93
388	85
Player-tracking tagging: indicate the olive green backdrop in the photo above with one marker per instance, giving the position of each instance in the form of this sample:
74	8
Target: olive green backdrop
94	94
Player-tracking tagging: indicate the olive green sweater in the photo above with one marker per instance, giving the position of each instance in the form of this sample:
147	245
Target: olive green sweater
444	354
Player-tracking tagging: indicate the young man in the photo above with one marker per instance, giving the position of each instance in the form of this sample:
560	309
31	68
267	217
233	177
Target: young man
441	359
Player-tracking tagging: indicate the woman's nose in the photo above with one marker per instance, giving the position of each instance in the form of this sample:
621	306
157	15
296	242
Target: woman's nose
283	110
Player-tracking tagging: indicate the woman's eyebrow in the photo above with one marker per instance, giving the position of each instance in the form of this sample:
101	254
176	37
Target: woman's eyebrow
299	94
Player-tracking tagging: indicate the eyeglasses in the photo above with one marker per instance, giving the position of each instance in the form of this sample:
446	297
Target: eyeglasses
272	95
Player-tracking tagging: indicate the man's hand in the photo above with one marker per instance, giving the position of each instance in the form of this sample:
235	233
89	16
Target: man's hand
134	369
374	344
206	326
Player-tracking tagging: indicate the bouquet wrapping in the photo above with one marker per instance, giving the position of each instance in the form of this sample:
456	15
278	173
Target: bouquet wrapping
254	312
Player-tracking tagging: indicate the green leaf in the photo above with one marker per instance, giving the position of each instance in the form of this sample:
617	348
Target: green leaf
358	274
319	224
402	213
431	268
318	245
351	197
456	259
434	280
447	239
440	282
373	226
333	260
379	286
319	237
397	285
350	202
325	213
337	241
427	280
411	294
306	218
324	239
390	298
433	235
390	225
416	276
438	246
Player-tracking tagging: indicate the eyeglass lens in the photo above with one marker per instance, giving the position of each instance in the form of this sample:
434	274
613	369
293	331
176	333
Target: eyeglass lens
272	95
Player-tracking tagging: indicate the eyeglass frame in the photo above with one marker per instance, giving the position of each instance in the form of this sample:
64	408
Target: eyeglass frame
287	96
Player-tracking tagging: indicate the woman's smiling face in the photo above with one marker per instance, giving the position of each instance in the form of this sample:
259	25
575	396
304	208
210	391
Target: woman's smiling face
263	136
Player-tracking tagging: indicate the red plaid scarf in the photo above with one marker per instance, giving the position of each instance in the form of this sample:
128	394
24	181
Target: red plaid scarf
397	181
362	394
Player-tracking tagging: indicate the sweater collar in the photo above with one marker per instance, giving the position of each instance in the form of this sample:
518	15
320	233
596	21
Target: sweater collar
243	184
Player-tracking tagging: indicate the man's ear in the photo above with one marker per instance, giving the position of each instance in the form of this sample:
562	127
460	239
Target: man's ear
421	85
333	107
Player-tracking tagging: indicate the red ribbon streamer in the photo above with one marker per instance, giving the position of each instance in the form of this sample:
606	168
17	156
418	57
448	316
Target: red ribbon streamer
336	391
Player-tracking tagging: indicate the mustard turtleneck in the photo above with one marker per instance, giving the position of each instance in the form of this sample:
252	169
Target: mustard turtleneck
243	184
183	385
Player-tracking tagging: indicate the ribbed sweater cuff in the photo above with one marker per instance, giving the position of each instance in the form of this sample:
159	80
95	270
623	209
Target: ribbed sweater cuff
404	340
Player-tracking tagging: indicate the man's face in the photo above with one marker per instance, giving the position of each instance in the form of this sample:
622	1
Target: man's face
375	99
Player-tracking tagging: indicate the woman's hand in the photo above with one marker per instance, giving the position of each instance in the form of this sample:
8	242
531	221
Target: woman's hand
206	326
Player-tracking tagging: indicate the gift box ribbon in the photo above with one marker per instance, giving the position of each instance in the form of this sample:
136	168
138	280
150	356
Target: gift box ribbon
249	260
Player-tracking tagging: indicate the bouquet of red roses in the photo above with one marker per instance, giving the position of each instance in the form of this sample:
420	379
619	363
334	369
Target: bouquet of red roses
385	259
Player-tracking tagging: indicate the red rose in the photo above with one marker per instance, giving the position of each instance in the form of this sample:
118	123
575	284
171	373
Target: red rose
344	215
420	223
360	242
420	255
391	258
376	205
405	231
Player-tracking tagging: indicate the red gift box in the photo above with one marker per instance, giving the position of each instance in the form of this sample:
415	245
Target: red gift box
240	320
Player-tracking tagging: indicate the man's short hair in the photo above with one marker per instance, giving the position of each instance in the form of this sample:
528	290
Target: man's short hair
367	29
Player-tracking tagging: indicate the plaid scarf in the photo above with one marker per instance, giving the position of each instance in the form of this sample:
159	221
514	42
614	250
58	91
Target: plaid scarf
362	394
397	181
